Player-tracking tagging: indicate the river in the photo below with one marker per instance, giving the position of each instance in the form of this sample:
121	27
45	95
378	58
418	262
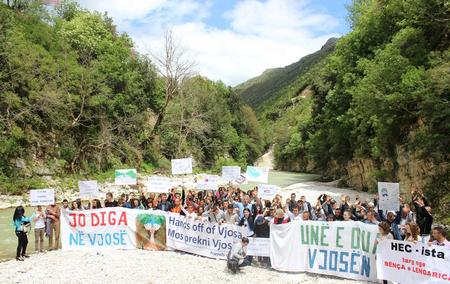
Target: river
8	240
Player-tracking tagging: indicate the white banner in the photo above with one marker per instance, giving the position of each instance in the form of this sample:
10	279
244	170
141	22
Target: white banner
257	174
202	238
389	193
230	173
113	228
182	166
344	249
406	262
206	182
125	177
42	197
259	247
159	184
267	191
88	188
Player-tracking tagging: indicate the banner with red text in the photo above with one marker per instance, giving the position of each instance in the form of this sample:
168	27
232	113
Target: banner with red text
407	262
344	249
113	228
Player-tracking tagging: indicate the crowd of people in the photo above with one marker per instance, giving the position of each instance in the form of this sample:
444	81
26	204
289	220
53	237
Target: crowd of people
412	222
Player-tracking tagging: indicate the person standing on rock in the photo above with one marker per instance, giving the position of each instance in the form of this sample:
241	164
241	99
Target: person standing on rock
54	213
22	225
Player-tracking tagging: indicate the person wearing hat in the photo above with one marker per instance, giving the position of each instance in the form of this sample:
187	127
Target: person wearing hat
237	257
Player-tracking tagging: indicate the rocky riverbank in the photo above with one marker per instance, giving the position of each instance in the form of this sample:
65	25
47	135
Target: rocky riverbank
141	267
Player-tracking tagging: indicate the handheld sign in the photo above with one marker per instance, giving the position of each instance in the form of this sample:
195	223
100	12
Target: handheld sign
388	193
206	182
42	197
230	173
88	188
125	177
159	184
259	247
181	166
257	174
267	191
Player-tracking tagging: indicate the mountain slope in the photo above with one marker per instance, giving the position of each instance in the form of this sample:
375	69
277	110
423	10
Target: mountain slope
257	91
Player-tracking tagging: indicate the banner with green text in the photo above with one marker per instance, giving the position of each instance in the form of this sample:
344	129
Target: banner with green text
344	249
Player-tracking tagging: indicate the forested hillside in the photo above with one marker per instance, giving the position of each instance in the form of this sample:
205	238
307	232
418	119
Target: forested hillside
377	108
77	98
273	83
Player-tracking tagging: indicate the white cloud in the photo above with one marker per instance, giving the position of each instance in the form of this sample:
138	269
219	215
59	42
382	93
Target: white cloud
261	34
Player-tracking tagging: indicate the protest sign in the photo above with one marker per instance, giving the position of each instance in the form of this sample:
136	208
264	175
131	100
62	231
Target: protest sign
388	193
42	197
257	174
125	177
182	166
267	191
259	247
159	184
112	228
242	179
88	188
230	173
202	238
206	182
406	262
344	249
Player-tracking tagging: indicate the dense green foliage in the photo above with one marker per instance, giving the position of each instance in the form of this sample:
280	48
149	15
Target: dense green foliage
76	98
383	93
273	83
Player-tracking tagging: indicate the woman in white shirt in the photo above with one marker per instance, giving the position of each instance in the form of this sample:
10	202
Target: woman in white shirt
38	218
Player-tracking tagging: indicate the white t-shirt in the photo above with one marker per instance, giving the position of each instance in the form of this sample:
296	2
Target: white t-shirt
39	223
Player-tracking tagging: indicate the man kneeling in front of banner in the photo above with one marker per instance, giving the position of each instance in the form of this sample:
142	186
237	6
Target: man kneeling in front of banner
237	257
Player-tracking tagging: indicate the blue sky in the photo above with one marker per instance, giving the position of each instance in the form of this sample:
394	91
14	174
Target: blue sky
230	40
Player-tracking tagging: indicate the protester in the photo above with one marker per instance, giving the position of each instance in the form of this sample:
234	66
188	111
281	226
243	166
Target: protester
96	204
76	205
22	225
391	219
65	204
385	232
423	215
230	216
215	215
280	217
53	212
38	218
371	218
110	202
245	204
306	216
237	257
164	204
440	237
412	232
295	214
348	215
247	222
190	212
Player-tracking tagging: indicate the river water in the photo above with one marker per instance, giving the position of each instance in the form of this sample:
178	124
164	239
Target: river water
8	240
